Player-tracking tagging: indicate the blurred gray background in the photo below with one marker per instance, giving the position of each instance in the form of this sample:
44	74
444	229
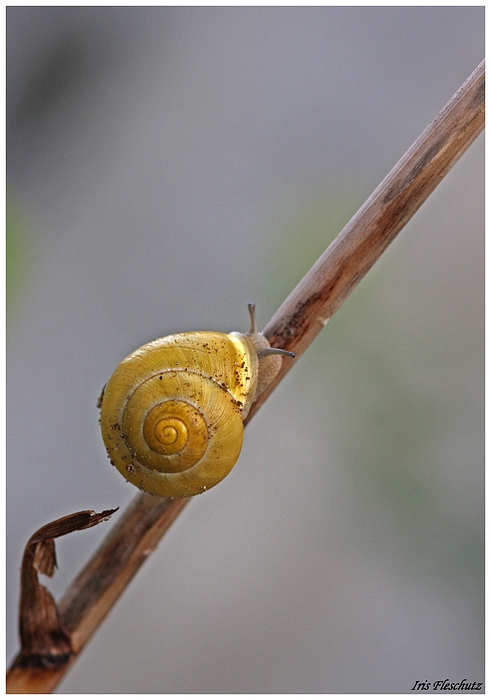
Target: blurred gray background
165	167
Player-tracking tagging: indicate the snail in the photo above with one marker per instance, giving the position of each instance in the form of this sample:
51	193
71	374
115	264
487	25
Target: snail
172	413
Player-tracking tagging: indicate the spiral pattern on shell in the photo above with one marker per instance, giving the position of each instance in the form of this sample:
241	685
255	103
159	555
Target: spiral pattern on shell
172	412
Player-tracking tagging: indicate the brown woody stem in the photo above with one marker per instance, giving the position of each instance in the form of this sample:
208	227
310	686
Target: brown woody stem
293	327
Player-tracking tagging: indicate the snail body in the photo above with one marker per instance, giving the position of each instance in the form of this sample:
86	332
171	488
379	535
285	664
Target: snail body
172	413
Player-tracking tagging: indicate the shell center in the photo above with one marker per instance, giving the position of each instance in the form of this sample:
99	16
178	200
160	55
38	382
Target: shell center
168	430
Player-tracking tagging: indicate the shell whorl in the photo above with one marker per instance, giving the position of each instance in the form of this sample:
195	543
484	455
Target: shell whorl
172	413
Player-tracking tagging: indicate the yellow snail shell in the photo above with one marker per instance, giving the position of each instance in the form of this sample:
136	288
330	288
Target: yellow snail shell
172	413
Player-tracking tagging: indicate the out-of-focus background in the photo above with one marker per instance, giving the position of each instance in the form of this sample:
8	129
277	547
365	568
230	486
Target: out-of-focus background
165	167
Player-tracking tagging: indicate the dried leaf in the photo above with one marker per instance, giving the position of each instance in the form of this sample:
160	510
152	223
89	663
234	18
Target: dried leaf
45	644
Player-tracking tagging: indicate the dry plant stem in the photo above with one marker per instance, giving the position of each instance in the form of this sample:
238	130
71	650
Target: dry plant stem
293	327
363	240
